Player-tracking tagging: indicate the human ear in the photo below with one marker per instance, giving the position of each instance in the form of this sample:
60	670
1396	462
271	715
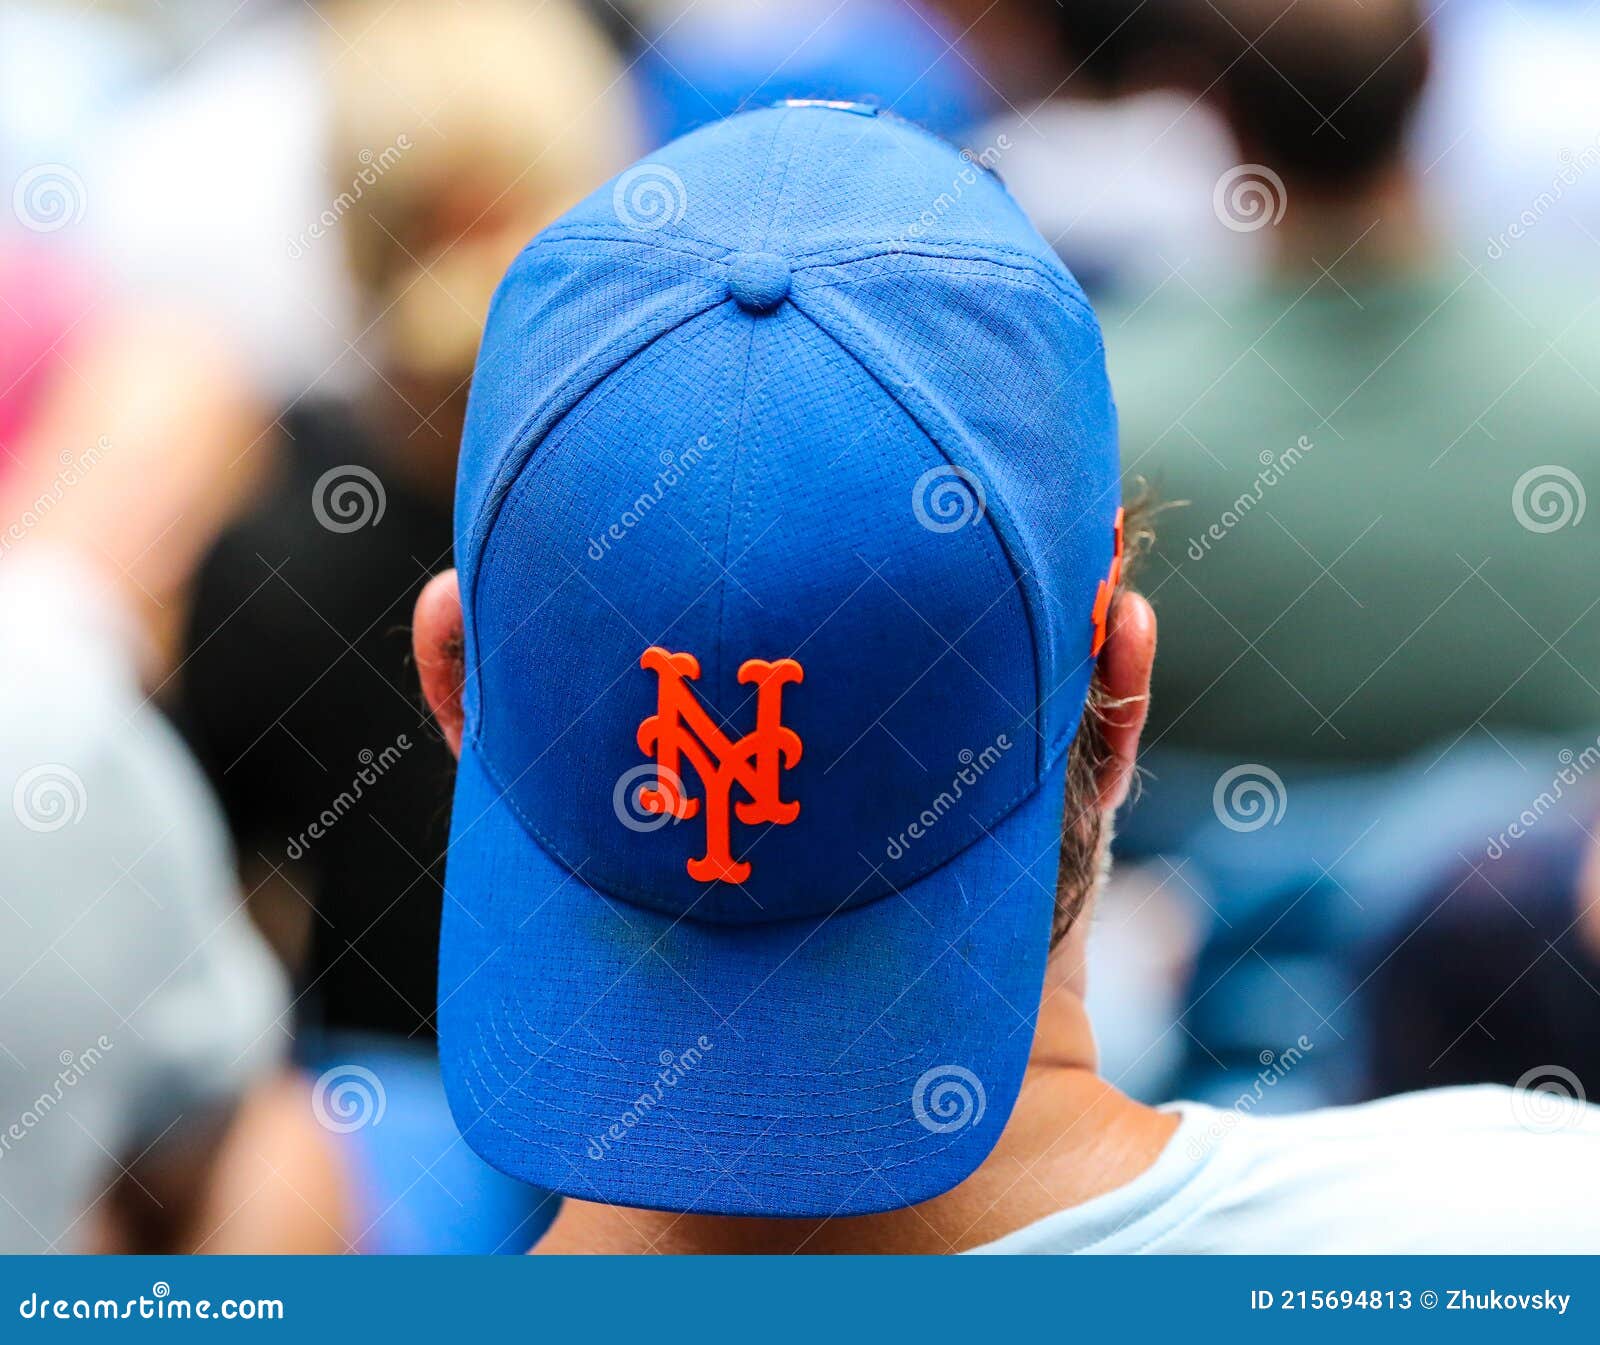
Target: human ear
1124	675
437	636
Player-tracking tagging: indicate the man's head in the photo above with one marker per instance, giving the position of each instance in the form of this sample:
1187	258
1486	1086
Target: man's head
456	131
1319	91
1120	46
790	545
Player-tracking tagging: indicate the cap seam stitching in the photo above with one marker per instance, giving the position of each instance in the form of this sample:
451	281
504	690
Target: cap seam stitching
999	255
1024	277
1041	737
557	407
753	232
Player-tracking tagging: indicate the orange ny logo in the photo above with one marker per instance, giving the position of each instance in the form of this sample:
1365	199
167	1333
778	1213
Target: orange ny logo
681	730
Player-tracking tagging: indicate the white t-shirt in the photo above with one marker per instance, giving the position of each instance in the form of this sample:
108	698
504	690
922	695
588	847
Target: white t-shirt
1453	1170
135	994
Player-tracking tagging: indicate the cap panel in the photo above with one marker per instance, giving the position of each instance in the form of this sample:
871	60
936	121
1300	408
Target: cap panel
1022	402
790	531
567	313
622	267
870	182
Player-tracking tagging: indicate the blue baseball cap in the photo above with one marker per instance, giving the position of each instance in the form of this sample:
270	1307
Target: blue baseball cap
786	519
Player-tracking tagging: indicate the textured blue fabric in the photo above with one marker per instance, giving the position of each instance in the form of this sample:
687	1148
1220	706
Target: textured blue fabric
807	385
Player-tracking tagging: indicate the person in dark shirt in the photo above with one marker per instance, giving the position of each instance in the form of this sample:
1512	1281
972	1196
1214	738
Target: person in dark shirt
1492	978
296	699
298	694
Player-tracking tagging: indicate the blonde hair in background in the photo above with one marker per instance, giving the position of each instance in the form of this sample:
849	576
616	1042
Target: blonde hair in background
458	132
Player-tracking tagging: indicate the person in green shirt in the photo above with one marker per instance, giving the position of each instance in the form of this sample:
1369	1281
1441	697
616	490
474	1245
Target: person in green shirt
1385	446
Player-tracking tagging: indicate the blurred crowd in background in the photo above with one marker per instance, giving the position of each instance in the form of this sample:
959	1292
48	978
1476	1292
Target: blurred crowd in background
1346	254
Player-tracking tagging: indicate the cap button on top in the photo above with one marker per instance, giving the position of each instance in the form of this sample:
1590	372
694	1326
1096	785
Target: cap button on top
758	281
